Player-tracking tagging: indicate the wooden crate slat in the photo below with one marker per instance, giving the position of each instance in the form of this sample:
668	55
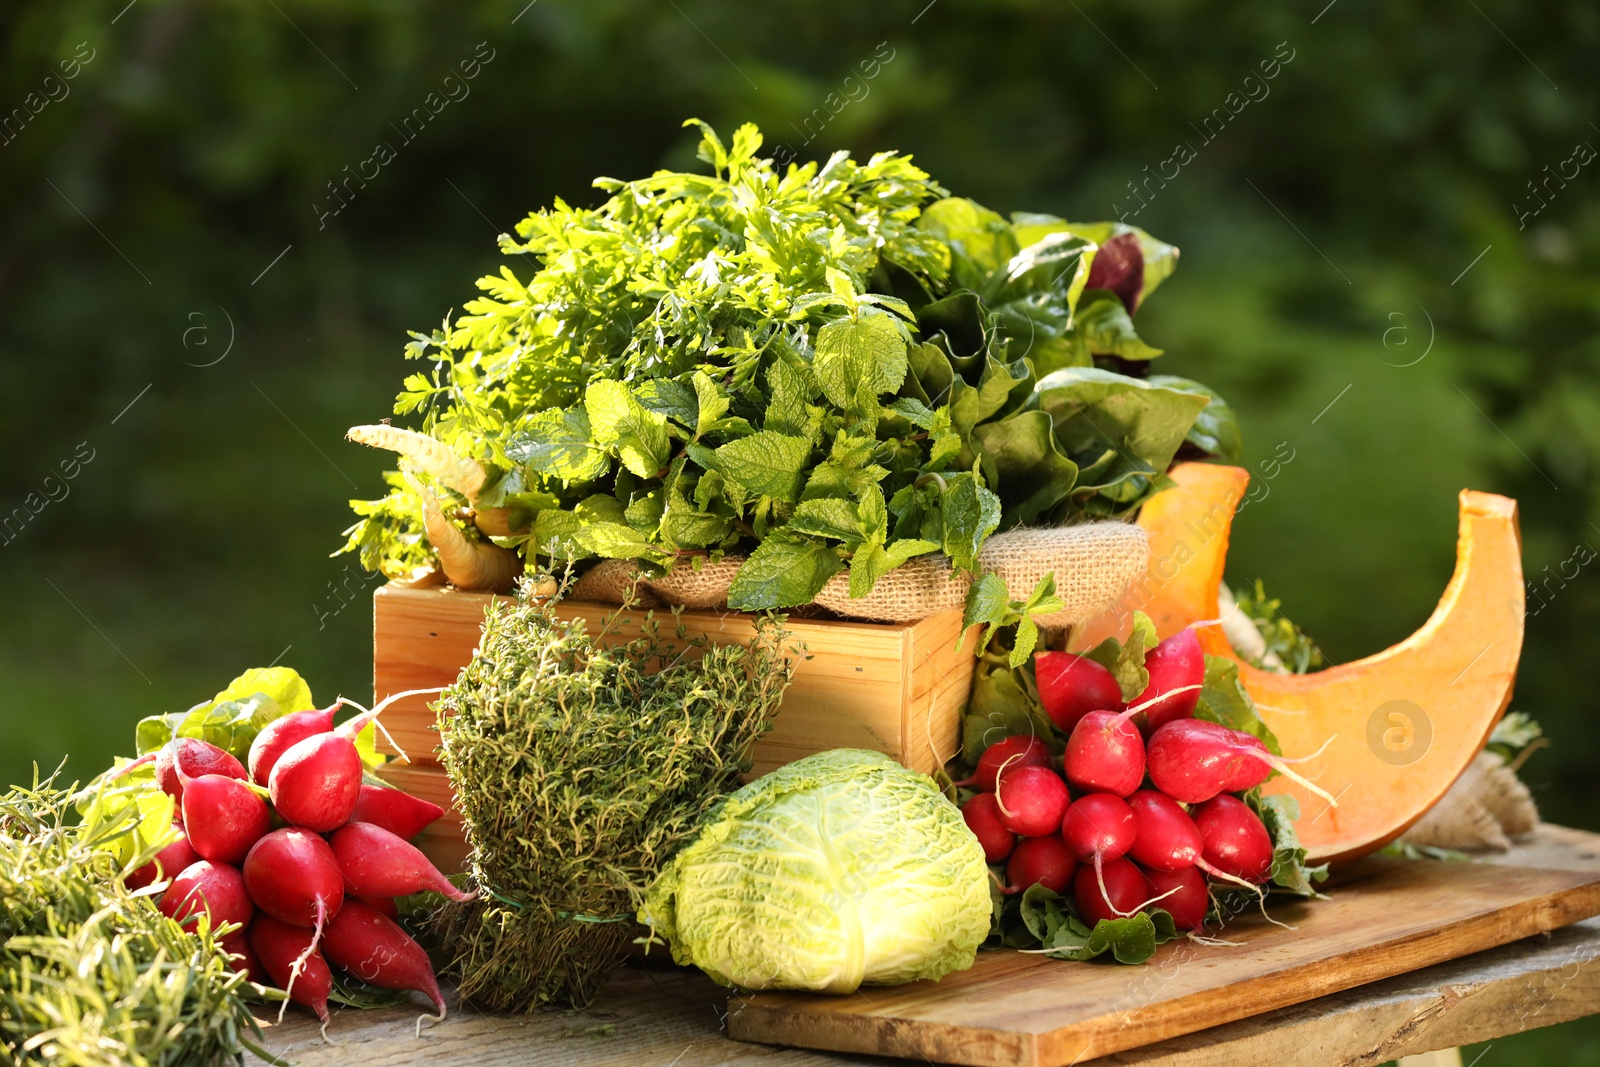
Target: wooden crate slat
898	689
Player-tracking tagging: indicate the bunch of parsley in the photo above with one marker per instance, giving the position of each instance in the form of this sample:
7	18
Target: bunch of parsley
832	367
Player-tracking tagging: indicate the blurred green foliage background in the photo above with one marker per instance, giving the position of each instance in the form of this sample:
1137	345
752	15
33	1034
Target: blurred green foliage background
1368	275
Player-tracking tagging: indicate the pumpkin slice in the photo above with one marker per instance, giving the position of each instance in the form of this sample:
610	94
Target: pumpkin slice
1404	724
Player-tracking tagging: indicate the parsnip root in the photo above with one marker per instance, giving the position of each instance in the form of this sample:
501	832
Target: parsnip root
424	453
474	566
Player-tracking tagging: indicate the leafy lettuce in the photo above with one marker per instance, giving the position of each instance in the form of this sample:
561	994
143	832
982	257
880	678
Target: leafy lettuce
230	720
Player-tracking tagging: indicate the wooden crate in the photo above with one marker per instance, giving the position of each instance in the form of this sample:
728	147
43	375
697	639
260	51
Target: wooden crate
898	689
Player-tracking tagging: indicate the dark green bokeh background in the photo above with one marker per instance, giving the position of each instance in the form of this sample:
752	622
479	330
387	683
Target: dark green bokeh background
1327	236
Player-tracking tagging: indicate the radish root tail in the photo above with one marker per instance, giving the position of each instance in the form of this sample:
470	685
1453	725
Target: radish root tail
434	1019
1314	755
359	723
1218	942
1100	876
998	774
299	964
148	757
424	453
1289	772
1137	708
1260	893
1140	907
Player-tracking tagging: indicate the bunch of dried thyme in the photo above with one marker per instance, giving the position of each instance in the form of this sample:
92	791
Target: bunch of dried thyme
581	763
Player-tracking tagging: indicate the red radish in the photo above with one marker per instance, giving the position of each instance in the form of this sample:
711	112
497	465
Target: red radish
982	813
1177	669
1070	687
237	945
1168	840
291	959
213	889
190	757
1234	841
1018	751
223	817
1105	754
376	863
292	876
1126	891
316	781
276	737
1031	800
386	905
166	864
368	944
395	810
1183	895
1193	760
1098	827
1042	861
1248	772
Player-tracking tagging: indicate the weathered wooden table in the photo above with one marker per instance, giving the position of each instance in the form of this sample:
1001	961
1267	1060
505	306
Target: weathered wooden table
672	1018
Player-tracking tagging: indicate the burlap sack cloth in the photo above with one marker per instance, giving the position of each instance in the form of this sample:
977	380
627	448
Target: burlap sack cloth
1093	563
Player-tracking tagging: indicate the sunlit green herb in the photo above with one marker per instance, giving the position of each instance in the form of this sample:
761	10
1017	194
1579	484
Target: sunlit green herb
824	367
92	974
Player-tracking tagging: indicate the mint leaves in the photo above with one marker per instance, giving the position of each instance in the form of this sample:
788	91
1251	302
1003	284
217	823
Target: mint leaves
858	360
989	603
625	429
783	572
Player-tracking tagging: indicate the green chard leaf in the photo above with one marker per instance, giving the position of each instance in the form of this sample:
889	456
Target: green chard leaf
1025	465
1104	328
1216	429
1120	431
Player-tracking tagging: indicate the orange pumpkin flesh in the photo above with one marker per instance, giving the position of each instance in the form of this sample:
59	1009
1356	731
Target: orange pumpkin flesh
1404	723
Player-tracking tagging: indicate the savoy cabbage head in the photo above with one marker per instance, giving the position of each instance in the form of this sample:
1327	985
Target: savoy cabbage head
840	870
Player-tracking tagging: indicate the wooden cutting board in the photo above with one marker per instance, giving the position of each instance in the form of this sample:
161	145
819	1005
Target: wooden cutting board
1384	917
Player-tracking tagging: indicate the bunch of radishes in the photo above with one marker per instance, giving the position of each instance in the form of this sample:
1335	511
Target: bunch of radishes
1137	813
316	889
